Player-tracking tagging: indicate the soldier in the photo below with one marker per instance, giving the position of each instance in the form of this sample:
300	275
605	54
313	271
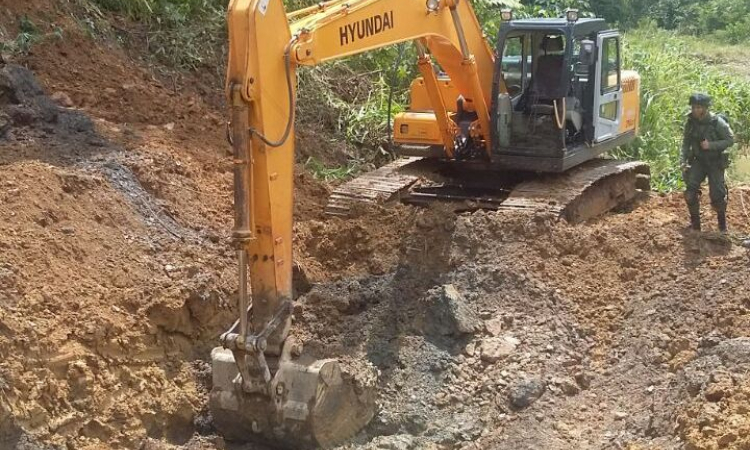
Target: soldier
705	140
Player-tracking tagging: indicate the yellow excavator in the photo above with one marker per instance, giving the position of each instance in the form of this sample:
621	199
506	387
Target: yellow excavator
529	118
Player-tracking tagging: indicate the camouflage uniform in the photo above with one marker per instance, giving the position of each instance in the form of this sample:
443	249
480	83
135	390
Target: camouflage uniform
699	164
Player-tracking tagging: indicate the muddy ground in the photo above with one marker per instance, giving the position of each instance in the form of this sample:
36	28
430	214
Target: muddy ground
489	330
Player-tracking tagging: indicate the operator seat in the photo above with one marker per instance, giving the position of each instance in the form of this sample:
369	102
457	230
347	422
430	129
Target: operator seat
549	69
546	85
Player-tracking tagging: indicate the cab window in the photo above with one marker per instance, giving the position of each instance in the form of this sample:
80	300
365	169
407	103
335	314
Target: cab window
515	72
610	65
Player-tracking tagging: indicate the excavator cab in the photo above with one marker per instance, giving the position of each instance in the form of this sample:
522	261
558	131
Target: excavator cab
559	98
564	102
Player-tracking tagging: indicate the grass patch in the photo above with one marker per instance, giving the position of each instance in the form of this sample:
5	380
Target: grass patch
183	34
739	173
321	172
670	72
367	122
729	57
712	50
349	98
28	35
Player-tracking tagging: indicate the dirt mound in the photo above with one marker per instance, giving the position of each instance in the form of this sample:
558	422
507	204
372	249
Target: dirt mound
28	113
717	380
115	271
330	248
105	296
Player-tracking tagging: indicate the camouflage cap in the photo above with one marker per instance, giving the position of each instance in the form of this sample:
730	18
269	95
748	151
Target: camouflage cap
700	99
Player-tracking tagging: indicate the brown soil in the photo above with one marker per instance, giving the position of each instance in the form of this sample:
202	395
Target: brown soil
331	248
613	319
116	278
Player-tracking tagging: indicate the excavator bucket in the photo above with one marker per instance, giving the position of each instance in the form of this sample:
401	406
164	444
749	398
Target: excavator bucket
312	403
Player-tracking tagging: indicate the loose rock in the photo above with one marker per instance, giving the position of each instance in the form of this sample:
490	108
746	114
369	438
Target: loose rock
494	349
522	394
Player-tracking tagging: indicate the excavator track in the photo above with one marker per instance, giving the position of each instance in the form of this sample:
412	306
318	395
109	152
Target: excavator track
584	192
381	185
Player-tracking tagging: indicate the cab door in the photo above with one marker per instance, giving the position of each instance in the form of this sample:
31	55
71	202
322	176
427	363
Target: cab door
608	87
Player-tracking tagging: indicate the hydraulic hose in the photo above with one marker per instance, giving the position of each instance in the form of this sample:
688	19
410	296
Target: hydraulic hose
290	91
560	119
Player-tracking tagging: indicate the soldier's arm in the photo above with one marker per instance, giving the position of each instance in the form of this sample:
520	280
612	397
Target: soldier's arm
685	152
726	137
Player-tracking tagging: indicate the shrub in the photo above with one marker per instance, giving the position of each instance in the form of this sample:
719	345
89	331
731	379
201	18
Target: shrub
28	35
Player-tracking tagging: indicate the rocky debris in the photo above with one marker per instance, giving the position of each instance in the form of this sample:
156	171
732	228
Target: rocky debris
62	99
29	110
12	435
495	349
717	383
714	366
620	415
734	353
525	392
566	385
495	326
582	334
583	380
446	312
397	442
196	443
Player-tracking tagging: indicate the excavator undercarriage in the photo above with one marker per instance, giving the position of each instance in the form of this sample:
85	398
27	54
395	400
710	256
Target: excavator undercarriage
584	192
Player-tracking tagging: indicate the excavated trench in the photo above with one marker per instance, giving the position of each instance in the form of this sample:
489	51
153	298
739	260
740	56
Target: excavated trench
487	329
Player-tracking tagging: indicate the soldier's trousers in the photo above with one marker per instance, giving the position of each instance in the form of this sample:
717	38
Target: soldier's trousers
717	187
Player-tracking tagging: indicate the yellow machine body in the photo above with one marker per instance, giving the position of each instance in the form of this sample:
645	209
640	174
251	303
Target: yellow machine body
419	125
631	101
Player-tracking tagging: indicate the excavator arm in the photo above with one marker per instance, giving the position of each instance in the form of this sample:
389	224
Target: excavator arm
263	385
446	32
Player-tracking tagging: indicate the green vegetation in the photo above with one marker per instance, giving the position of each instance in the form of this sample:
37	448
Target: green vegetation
28	35
167	12
724	20
674	44
184	34
739	172
321	172
668	75
350	97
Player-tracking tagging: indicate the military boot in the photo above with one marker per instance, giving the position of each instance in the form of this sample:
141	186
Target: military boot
695	222
721	217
